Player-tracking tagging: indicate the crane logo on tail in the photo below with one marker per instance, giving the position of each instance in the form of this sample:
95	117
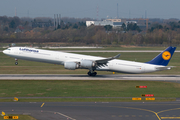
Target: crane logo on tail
166	55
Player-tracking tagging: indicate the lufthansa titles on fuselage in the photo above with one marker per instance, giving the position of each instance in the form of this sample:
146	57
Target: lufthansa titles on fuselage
28	50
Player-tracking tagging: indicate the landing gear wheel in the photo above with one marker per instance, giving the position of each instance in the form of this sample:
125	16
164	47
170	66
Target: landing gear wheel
16	63
92	74
89	73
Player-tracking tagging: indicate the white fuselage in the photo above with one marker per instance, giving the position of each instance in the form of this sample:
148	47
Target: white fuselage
56	57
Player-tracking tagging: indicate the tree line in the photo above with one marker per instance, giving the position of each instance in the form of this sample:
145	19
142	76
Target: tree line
77	32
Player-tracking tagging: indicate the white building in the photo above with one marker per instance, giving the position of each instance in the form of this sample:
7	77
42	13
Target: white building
113	22
89	23
103	23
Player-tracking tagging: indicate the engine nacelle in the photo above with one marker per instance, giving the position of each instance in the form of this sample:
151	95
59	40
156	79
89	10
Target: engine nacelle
87	64
71	65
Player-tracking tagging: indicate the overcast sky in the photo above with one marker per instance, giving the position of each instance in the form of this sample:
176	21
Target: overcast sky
88	8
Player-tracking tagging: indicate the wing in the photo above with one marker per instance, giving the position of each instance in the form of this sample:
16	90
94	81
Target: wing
103	62
91	64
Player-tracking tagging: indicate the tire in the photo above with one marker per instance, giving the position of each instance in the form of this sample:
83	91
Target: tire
92	74
16	63
89	73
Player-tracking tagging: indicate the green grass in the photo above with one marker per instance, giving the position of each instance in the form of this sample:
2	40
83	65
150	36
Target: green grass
51	88
84	88
20	117
89	100
7	65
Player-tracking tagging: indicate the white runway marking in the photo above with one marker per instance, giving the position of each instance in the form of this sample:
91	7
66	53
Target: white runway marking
65	116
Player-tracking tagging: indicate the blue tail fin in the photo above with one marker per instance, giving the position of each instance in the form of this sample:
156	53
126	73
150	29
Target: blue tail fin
164	57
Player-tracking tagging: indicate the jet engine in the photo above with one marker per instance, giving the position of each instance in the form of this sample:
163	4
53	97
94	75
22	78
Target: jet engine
87	63
71	65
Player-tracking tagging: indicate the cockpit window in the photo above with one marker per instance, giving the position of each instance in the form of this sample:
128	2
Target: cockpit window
8	49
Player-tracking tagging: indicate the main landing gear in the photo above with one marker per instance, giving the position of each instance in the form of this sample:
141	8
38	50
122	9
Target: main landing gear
16	63
92	73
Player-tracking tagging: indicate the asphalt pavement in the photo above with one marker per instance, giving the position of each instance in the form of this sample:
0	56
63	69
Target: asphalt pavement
94	110
143	77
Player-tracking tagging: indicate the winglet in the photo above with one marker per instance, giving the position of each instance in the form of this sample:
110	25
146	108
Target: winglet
117	56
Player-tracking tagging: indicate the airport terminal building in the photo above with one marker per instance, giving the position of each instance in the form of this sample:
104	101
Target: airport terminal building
115	23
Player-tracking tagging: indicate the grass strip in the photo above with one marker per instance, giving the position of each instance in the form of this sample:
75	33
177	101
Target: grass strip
89	100
87	88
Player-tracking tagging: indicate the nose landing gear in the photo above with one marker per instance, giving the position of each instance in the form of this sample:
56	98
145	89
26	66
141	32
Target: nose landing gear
16	63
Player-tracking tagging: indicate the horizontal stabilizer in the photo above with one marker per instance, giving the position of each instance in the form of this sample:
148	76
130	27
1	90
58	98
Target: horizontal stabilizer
164	67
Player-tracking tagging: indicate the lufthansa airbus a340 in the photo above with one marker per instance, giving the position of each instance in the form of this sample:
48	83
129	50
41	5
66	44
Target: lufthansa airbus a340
76	61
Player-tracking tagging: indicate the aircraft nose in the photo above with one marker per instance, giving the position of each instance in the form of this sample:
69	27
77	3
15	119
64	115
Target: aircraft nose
4	51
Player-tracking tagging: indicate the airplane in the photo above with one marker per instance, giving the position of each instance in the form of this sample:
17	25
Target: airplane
73	61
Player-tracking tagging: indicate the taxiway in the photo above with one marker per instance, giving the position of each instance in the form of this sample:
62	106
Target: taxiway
94	110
